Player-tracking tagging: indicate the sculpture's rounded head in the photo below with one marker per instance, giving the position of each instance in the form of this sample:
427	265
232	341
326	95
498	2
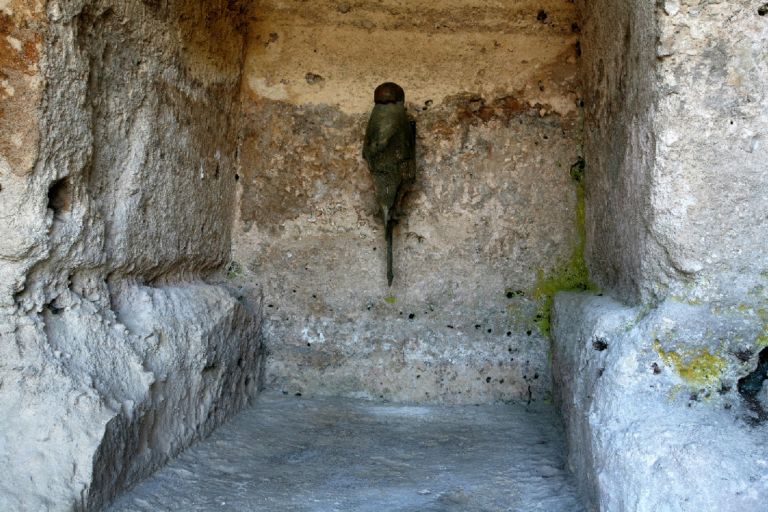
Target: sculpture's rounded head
388	92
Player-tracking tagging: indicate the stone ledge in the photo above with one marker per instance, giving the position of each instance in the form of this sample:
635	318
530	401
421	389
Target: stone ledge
637	438
102	400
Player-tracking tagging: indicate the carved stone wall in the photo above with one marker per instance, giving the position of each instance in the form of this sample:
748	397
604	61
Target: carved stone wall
675	148
165	164
117	150
491	222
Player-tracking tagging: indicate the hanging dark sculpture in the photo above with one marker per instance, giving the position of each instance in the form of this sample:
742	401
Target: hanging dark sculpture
390	150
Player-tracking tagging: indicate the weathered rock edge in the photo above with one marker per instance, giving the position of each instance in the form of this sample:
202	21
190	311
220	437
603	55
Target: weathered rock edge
101	400
669	437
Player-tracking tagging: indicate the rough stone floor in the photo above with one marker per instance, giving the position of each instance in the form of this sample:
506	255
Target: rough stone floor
293	454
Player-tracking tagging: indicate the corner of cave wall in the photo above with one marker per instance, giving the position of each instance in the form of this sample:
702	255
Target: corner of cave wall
619	69
671	210
674	117
122	343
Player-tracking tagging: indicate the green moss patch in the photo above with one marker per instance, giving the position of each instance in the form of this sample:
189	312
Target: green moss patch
570	276
234	271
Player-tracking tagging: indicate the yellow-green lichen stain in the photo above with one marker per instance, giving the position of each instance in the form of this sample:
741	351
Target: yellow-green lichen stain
235	270
569	276
761	341
698	367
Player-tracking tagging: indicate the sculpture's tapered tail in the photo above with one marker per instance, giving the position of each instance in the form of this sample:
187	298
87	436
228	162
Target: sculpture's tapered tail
390	273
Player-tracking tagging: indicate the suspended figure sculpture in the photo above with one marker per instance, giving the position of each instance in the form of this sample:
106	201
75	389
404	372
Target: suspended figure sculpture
390	150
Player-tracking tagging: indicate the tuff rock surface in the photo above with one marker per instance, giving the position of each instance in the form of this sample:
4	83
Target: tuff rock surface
146	144
493	89
653	418
117	348
676	118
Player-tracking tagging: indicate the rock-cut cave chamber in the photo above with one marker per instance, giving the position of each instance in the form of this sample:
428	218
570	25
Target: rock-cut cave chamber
187	224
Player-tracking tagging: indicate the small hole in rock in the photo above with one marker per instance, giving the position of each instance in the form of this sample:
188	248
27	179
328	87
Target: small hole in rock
599	344
313	78
53	309
750	385
60	196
